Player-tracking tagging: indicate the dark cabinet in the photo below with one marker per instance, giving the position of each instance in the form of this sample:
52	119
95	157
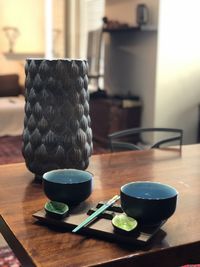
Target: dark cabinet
110	115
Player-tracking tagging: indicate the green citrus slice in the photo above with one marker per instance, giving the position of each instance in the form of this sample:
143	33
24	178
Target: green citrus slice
123	222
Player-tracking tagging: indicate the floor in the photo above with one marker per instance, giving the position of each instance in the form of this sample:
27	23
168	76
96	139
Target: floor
10	149
7	257
2	241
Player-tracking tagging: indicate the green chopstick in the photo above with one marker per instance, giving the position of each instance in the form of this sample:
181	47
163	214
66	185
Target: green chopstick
96	213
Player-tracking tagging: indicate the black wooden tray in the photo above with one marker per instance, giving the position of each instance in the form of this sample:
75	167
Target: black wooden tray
102	227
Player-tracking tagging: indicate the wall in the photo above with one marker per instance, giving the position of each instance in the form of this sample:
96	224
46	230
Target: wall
28	17
130	58
130	65
178	67
164	68
58	12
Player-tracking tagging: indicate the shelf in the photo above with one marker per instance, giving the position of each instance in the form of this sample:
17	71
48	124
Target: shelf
23	56
123	29
144	28
149	28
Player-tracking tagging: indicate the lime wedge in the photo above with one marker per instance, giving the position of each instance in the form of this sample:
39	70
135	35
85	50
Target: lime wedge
123	222
56	208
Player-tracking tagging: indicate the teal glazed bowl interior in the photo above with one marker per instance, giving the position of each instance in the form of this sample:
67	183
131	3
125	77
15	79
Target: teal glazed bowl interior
149	203
69	186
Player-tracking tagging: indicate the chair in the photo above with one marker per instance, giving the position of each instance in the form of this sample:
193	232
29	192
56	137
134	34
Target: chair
121	140
9	85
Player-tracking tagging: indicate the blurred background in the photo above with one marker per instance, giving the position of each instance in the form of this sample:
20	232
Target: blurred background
159	63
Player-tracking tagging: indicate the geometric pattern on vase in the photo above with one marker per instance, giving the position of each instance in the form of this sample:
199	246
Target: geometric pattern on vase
57	127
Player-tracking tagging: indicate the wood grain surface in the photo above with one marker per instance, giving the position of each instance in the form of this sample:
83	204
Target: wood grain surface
40	245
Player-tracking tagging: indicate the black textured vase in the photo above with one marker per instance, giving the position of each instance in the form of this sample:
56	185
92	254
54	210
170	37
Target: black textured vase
57	131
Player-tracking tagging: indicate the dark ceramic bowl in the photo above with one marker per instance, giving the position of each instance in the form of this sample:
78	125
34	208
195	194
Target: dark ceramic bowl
149	203
69	186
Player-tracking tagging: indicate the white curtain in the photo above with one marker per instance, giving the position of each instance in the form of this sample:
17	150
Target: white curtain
72	28
81	16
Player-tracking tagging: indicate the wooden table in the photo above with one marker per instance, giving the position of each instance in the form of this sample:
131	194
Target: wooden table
39	245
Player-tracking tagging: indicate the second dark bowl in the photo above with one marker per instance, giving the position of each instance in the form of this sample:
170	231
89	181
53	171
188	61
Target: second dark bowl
148	202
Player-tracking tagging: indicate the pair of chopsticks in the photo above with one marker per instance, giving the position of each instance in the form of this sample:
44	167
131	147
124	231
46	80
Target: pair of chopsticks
96	213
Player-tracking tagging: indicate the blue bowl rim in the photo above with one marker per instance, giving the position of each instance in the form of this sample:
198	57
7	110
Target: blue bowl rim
44	176
150	182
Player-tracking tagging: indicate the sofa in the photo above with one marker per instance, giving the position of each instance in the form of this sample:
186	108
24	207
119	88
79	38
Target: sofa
11	105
